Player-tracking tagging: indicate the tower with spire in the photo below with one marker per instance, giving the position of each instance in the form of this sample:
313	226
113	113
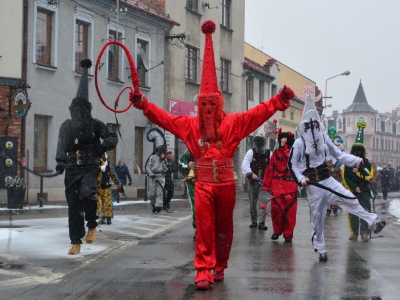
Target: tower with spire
381	137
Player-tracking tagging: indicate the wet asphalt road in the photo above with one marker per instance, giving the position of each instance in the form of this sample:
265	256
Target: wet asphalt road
161	266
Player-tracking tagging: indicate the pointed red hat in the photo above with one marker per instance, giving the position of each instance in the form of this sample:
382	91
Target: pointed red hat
209	83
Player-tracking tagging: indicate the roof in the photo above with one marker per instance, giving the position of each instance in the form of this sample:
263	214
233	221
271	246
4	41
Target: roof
151	10
360	103
252	65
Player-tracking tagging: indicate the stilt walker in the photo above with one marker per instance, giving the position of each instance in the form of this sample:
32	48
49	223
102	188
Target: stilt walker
212	138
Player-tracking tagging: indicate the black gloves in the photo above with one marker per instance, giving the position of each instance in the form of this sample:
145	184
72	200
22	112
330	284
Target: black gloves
60	167
130	183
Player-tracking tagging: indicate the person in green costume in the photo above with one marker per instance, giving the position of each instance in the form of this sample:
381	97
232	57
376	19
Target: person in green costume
358	183
334	167
186	163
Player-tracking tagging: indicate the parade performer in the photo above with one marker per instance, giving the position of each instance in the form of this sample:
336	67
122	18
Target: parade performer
169	183
107	176
308	166
254	164
79	150
185	164
357	182
334	166
156	168
212	138
283	189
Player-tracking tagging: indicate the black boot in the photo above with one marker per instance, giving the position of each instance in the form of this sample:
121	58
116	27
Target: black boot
154	209
274	237
261	226
108	221
253	225
102	220
328	212
323	257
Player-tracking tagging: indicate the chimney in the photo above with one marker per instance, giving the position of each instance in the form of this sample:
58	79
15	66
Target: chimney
335	112
394	113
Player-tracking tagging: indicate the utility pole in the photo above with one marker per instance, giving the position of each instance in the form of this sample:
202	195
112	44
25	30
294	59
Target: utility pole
116	38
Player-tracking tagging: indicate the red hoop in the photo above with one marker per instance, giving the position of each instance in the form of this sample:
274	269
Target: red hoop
134	77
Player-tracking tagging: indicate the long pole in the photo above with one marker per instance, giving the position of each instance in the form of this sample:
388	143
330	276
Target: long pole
117	20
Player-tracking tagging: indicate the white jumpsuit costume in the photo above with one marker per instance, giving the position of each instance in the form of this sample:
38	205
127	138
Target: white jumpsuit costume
318	198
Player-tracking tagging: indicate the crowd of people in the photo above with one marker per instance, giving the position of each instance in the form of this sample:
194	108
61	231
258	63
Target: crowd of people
212	138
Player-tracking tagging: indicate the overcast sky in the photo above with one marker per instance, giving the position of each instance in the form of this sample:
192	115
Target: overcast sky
323	38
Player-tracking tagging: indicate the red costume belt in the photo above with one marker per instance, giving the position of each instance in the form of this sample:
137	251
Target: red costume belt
284	178
214	170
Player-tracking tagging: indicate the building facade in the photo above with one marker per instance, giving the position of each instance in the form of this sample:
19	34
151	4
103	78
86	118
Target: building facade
60	34
13	85
381	136
184	55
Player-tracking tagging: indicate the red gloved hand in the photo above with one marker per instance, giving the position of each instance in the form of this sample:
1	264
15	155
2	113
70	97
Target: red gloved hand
286	93
139	100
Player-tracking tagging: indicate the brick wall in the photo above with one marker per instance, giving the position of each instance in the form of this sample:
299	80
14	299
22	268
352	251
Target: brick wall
12	126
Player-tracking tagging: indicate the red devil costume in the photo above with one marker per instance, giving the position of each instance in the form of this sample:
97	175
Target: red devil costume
212	138
283	188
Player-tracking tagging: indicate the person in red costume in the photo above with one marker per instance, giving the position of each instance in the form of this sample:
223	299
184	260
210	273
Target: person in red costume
212	138
283	189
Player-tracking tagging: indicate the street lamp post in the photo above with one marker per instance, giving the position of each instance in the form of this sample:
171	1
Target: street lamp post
346	73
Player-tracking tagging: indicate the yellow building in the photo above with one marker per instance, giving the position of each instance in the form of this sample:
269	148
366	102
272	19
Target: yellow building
290	118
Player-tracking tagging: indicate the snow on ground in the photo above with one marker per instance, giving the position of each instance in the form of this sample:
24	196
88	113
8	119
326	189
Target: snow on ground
45	206
394	209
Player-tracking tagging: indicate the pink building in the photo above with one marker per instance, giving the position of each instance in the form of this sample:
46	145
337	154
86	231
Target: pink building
382	135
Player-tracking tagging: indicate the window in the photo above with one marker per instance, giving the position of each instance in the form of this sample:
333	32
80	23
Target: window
339	123
191	4
378	124
191	64
44	34
381	144
348	122
373	143
83	38
114	57
372	125
274	90
250	89
41	136
261	96
388	126
139	133
226	13
292	118
284	114
225	70
81	44
112	154
142	58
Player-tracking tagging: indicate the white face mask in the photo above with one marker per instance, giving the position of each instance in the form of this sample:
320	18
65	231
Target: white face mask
311	132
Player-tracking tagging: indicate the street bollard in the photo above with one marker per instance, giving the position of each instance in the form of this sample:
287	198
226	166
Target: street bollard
145	188
41	192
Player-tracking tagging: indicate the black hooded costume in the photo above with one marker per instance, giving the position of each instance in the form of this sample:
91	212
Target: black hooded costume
79	150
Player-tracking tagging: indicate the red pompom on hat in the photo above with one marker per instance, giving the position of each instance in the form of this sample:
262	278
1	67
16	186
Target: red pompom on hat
262	206
208	27
209	82
275	121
